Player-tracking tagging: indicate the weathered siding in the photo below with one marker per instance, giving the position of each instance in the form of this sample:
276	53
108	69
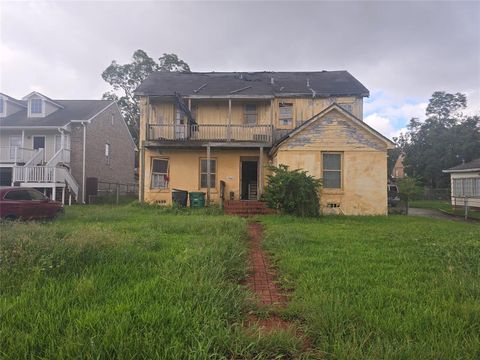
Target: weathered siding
184	171
364	163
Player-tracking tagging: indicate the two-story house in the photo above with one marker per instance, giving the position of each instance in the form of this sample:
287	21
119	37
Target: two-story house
216	132
55	145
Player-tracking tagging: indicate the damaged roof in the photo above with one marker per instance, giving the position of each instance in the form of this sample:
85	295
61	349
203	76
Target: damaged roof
267	84
72	110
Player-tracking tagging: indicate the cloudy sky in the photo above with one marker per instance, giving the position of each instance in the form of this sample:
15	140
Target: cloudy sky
402	51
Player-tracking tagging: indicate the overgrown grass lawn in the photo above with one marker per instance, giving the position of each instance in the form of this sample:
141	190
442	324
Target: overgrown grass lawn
382	288
124	282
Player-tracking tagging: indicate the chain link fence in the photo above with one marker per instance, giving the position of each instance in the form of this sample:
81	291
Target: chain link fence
114	193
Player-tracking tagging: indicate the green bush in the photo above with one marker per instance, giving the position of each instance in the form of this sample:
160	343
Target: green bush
293	191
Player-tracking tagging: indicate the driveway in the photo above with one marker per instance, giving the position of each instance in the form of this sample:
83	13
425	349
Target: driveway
433	214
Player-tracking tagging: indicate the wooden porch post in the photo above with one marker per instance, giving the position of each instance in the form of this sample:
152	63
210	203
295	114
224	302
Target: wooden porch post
208	175
63	195
260	174
229	129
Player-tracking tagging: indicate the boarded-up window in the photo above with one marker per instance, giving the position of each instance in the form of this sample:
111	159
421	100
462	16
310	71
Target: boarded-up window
159	174
250	112
204	174
285	114
332	170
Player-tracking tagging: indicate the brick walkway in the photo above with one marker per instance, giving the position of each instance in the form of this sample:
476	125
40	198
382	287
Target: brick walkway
262	278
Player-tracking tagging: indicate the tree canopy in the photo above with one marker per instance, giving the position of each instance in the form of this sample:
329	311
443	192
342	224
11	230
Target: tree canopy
124	79
443	140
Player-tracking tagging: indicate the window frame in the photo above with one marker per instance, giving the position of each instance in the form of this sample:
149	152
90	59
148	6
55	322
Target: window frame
247	113
42	106
108	153
340	171
3	106
200	173
152	173
280	118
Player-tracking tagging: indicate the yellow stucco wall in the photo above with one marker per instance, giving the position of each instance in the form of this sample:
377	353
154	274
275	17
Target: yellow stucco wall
364	164
184	171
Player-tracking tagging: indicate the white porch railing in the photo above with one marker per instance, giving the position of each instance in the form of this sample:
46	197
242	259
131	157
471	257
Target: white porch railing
211	132
45	174
15	154
61	156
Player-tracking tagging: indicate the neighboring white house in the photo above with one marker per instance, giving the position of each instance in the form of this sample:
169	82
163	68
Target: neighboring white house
465	183
55	145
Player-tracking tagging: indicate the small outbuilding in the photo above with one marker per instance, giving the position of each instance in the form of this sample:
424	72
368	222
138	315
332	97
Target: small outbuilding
465	184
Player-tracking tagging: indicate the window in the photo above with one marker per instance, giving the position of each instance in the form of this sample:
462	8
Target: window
250	113
36	106
1	105
286	114
467	187
332	171
17	195
160	177
36	195
346	107
203	173
107	154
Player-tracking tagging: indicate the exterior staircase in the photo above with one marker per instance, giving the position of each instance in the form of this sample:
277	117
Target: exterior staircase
246	208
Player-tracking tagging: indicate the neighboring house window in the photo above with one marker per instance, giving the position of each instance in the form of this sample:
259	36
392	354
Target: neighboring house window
286	114
107	154
36	106
250	112
468	187
332	170
160	177
203	173
2	109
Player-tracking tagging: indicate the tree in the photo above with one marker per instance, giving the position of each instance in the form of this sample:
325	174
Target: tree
444	139
408	187
126	78
293	191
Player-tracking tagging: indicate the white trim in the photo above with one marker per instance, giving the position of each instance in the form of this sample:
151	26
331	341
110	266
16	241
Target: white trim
45	98
461	171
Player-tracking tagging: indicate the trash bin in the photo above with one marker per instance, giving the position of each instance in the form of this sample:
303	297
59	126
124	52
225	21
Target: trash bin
197	200
179	197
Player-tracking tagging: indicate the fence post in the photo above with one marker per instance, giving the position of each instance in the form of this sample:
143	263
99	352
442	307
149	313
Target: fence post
466	207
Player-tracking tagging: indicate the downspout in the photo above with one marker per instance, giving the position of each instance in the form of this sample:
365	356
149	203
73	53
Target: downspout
83	161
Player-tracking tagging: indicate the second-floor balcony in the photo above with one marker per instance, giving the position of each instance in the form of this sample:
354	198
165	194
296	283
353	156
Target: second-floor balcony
15	154
258	134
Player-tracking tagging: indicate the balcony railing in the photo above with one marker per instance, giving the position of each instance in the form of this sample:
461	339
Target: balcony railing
210	132
15	154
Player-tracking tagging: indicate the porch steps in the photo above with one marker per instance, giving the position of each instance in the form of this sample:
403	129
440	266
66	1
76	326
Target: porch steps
246	208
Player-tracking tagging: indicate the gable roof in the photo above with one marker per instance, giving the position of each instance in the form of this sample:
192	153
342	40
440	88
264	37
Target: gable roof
473	165
33	93
70	110
265	84
13	100
316	117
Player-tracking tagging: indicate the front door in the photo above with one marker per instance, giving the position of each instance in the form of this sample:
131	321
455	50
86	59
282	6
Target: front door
39	143
180	124
249	179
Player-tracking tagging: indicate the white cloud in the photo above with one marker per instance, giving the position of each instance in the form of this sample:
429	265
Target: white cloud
382	124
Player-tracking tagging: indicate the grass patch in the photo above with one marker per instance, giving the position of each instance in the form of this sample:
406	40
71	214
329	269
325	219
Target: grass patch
127	282
382	287
444	206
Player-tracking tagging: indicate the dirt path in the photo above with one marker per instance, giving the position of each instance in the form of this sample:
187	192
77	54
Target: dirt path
262	282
